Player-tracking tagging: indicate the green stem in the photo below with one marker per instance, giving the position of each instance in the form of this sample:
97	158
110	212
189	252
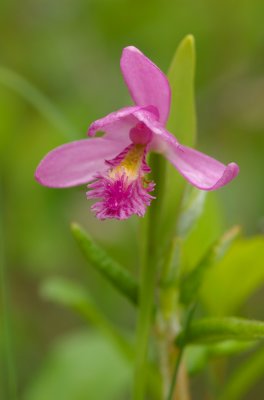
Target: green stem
7	344
180	354
148	278
15	82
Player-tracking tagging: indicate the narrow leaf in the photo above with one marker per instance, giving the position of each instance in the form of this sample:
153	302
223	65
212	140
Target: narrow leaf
191	209
182	121
235	277
198	355
229	348
192	281
108	267
210	330
205	232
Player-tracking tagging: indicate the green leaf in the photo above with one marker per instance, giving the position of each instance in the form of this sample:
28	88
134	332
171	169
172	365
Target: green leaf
71	295
197	356
229	348
109	268
81	366
207	230
191	209
196	359
182	120
244	378
192	281
235	277
210	330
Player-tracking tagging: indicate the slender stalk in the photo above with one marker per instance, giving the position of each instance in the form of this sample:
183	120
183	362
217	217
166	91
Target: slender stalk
180	354
7	343
148	279
175	373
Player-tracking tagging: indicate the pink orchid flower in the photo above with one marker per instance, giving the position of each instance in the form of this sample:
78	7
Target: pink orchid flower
115	165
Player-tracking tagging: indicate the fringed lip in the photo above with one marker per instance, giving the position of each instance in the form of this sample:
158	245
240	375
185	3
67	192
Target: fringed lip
119	198
142	124
123	190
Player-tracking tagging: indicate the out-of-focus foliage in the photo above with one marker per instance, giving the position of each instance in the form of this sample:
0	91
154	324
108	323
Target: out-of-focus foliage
76	298
244	377
74	370
192	281
231	281
69	50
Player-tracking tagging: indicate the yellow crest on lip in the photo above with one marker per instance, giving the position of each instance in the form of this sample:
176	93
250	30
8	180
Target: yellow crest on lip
131	163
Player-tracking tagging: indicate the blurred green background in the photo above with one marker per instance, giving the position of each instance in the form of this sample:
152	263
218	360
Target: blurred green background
70	51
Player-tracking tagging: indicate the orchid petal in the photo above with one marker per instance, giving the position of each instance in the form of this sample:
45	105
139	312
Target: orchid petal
118	124
146	82
76	163
199	169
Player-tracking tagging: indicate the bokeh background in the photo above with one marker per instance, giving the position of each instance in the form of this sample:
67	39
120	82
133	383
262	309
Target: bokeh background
70	51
